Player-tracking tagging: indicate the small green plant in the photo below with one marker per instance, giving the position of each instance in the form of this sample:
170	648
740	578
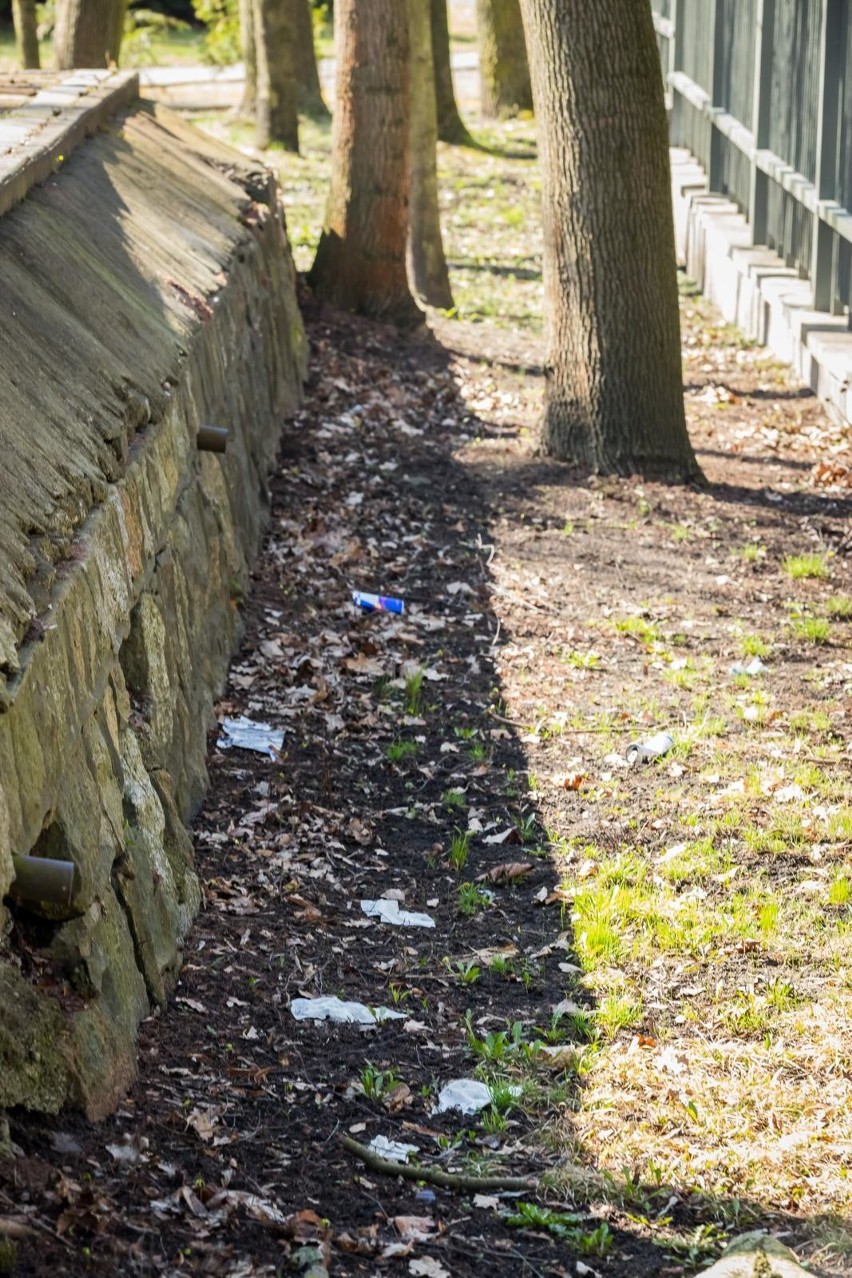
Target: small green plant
640	628
502	965
803	566
478	752
527	827
583	660
752	552
377	1083
464	734
459	849
494	1122
399	750
498	1044
680	532
471	898
840	891
465	970
413	692
453	800
839	607
813	630
754	646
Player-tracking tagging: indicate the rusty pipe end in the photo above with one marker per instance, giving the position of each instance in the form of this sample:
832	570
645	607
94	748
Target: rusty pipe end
212	439
41	880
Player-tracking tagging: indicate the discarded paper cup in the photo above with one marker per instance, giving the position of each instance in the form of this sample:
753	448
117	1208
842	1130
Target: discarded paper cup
377	603
653	748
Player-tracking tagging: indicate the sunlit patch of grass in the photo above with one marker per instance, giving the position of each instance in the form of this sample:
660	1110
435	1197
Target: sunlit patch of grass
839	607
801	567
814	630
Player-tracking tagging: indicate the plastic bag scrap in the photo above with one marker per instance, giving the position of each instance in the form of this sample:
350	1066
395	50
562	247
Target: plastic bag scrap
331	1008
643	751
467	1095
377	603
389	912
753	667
246	734
396	1150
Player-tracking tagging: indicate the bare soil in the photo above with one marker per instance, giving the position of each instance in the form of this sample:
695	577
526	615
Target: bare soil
410	472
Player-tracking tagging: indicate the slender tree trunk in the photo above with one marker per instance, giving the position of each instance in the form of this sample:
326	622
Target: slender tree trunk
503	67
451	127
88	32
26	33
427	265
360	261
276	117
307	73
248	106
614	400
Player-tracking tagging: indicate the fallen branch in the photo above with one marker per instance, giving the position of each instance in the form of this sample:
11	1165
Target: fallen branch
434	1175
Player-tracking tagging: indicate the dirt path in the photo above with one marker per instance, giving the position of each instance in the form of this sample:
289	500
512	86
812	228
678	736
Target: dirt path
604	954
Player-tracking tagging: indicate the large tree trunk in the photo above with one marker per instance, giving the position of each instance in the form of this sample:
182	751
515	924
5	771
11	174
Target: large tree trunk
360	261
88	32
307	73
614	400
248	106
451	127
503	67
276	118
427	265
26	33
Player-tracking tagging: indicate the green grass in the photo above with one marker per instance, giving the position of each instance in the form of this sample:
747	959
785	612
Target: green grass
801	567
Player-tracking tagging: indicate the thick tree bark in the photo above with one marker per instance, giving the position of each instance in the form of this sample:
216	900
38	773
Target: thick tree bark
503	67
307	73
427	265
88	32
248	106
614	400
26	33
360	261
451	127
276	117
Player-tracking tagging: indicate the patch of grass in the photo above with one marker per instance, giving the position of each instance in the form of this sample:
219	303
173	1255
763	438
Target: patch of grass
397	751
754	646
583	660
465	970
377	1083
802	567
453	800
840	891
639	627
459	849
839	607
471	898
813	630
752	552
413	692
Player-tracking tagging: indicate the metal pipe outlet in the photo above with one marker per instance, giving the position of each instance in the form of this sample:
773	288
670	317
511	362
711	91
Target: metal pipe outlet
39	879
212	439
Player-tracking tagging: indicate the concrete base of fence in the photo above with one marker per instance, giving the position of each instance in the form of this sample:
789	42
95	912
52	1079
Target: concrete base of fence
755	290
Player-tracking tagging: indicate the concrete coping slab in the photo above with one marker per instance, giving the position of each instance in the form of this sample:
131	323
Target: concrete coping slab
55	112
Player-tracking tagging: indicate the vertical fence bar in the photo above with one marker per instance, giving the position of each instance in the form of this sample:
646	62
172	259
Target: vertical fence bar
716	89
824	240
677	134
758	200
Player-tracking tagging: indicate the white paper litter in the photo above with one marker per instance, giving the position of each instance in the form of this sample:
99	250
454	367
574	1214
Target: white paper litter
331	1008
396	1150
389	912
246	734
467	1095
754	667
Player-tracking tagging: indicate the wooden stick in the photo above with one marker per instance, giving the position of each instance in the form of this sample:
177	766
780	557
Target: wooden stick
434	1175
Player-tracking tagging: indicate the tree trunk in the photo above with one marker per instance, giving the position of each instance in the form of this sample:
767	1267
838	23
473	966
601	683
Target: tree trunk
276	118
26	33
88	32
360	261
451	127
248	106
307	73
614	400
503	68
427	265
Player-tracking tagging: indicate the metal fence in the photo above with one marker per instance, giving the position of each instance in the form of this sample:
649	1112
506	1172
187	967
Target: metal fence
761	94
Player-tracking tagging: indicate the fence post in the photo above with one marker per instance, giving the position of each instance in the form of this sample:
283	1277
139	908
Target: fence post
677	135
823	239
758	197
716	87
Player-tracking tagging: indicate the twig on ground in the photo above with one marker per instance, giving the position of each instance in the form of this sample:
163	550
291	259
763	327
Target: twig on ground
434	1175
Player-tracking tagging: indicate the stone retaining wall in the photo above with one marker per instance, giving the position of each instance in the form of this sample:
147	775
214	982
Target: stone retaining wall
147	289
